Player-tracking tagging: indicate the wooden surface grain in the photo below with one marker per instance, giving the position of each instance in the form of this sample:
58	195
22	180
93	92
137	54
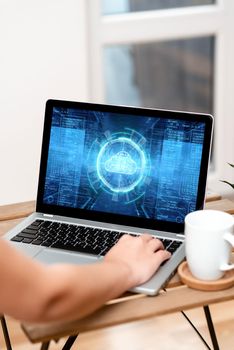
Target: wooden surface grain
17	210
222	204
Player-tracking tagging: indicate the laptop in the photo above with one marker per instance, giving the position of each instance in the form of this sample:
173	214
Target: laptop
109	170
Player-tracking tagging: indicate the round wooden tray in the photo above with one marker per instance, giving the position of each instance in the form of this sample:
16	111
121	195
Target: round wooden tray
227	281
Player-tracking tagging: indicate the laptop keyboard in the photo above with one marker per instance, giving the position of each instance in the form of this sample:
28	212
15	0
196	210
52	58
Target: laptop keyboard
76	238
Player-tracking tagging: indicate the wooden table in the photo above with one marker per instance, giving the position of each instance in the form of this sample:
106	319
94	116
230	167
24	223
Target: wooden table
130	307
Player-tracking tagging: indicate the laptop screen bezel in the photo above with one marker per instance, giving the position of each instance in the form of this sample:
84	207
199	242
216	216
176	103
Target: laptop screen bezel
110	217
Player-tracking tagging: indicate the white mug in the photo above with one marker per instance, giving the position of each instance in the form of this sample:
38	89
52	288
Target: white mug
208	243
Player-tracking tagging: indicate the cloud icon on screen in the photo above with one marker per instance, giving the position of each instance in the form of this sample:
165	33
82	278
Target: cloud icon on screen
121	163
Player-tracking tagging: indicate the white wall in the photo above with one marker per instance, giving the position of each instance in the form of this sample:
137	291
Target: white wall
43	54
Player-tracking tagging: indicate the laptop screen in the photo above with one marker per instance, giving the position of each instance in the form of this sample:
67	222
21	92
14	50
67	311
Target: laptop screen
144	165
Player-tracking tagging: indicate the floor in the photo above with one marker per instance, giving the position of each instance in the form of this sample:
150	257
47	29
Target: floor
170	332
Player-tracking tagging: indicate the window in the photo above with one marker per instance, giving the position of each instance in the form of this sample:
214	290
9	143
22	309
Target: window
110	7
167	54
146	74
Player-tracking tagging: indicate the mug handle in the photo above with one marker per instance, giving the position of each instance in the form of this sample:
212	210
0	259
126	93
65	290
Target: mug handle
229	237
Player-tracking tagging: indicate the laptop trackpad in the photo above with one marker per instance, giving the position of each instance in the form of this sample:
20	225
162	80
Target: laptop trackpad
49	256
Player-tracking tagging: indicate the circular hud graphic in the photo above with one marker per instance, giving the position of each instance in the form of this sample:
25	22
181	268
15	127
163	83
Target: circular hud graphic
121	164
118	165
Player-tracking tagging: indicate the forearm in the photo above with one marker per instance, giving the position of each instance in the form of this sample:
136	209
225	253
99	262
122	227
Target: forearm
75	291
34	292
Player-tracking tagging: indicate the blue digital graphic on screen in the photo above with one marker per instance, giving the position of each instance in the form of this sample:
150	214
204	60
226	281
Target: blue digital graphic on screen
138	166
121	164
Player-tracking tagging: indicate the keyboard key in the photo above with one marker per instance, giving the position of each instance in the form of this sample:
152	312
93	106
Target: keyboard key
17	239
87	249
174	246
27	240
167	243
37	241
30	230
77	248
46	224
36	223
58	245
27	235
47	243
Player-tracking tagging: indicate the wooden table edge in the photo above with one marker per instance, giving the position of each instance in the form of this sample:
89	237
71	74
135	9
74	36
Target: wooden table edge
177	299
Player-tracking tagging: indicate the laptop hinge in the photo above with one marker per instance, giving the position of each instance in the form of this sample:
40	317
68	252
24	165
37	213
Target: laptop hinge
48	215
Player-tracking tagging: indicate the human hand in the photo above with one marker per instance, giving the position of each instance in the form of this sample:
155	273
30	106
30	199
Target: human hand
142	255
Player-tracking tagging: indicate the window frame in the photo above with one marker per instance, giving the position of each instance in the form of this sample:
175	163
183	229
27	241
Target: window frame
168	24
